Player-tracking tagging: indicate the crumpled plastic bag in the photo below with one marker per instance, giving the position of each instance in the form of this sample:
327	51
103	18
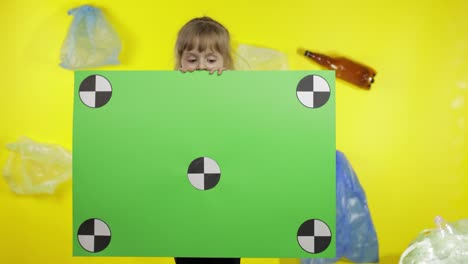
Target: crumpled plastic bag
91	41
356	239
257	58
36	168
445	244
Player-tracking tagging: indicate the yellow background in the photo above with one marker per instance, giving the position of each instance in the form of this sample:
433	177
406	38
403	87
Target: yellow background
405	137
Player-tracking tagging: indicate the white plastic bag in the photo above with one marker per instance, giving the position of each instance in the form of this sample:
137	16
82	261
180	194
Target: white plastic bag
36	168
256	58
445	244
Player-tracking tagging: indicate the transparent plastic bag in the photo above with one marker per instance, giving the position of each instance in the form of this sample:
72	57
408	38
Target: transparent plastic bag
256	58
356	239
445	244
36	168
91	41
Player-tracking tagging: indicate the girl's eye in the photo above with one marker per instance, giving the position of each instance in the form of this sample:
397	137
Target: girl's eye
211	60
191	60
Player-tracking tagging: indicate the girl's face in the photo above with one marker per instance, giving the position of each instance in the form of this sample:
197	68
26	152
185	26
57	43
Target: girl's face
205	60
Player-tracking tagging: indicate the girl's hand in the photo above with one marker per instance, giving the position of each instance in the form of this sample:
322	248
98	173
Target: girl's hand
184	70
219	70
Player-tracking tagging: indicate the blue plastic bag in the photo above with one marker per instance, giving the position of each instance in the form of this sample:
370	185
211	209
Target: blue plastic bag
91	41
356	238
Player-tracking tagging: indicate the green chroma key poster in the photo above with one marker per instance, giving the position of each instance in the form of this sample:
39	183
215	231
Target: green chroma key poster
198	165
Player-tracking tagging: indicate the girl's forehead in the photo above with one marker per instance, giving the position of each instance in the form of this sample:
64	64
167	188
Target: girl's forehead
201	43
196	51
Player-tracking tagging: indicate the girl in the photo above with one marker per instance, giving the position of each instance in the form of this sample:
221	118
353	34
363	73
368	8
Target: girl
204	44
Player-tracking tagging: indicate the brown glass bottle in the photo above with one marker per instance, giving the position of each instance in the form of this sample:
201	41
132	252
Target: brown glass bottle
346	69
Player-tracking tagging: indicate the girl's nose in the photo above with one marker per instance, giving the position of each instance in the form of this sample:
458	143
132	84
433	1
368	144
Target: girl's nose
201	66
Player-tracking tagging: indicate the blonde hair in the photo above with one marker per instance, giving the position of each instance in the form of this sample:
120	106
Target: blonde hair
204	33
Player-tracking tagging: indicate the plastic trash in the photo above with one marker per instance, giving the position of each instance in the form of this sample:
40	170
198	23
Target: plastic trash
356	239
445	244
91	41
256	58
36	168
